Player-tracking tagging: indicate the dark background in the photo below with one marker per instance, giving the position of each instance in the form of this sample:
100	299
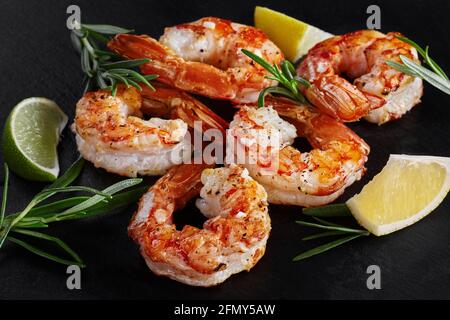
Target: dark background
36	59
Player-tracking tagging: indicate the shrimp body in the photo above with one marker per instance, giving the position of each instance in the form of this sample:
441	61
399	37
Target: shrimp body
379	93
233	238
205	57
111	133
303	178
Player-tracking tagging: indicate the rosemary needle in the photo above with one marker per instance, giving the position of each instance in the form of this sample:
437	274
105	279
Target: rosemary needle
326	247
33	217
5	195
332	230
104	69
436	76
289	82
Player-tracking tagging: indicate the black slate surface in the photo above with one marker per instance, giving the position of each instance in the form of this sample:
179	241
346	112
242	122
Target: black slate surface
36	59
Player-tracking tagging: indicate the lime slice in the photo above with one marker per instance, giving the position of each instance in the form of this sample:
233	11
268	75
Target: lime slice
292	36
30	138
406	190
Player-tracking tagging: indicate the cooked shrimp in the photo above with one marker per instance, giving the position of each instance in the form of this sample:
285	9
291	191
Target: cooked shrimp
379	94
172	103
233	238
111	133
301	178
205	57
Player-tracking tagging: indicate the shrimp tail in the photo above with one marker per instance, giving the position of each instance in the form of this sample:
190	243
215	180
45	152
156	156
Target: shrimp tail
142	47
172	70
176	104
340	99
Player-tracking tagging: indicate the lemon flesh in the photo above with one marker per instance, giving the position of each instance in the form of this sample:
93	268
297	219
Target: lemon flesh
406	190
292	36
30	138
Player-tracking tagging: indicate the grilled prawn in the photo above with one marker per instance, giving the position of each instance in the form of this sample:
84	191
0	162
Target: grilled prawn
205	57
289	176
233	238
379	93
112	134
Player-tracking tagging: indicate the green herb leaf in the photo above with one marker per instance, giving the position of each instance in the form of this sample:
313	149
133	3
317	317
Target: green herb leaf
119	186
288	81
5	195
150	77
120	200
87	85
427	75
278	90
402	68
106	29
41	253
99	37
125	64
303	82
326	247
438	78
323	234
327	227
103	54
260	61
97	64
135	84
85	62
424	54
100	81
331	224
52	208
69	176
72	208
76	42
288	69
332	210
4	231
56	240
72	189
118	78
30	223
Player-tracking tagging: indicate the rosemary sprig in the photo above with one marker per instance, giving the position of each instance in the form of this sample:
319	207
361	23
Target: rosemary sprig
436	77
330	227
333	229
327	246
79	207
102	68
331	210
5	195
286	76
67	178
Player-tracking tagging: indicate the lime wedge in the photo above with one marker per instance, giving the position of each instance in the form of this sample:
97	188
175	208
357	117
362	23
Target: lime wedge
30	137
406	190
292	36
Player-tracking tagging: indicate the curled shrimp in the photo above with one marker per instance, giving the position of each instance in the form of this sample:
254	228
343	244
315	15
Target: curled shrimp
233	238
299	178
205	57
112	134
379	93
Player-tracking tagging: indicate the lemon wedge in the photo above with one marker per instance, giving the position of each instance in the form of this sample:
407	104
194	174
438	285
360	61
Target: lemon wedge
406	190
292	36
